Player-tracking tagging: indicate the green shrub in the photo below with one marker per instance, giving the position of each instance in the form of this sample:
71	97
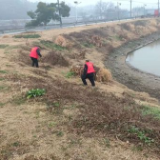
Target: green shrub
27	36
35	93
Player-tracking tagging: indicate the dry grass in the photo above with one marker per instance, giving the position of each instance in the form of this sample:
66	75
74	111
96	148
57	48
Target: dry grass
101	75
60	40
71	121
55	58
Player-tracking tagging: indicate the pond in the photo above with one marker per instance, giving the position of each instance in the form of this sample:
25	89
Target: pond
146	59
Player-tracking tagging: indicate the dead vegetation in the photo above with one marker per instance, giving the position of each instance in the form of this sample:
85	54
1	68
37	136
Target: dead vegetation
60	40
96	40
100	114
55	58
101	75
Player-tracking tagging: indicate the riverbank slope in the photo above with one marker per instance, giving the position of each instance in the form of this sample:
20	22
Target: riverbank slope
66	120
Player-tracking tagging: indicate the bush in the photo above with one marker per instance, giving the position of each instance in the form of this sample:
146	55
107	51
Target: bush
35	93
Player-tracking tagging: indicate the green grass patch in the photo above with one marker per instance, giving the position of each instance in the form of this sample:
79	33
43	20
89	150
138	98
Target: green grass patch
69	74
141	135
52	124
117	37
87	44
27	36
52	45
2	46
2	79
2	104
18	100
153	111
10	48
3	71
4	88
35	93
60	134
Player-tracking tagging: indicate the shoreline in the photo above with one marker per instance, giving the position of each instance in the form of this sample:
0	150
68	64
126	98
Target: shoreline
131	77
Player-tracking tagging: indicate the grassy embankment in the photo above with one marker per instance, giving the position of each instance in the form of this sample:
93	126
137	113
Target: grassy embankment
46	113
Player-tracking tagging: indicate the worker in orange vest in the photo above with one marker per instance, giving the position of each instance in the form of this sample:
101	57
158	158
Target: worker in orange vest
88	73
34	54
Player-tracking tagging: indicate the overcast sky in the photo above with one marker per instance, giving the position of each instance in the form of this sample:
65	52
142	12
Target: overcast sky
124	3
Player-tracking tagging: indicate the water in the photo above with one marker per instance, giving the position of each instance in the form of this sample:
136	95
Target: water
146	59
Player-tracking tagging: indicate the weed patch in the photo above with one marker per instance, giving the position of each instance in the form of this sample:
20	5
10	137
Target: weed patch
27	36
2	104
2	46
55	107
87	44
60	134
141	135
70	75
2	79
10	48
153	111
52	45
18	100
3	88
3	72
35	93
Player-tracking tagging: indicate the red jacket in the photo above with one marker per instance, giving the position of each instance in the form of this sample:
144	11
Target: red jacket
34	53
90	68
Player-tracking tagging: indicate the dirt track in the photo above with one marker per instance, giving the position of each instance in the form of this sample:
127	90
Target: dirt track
129	76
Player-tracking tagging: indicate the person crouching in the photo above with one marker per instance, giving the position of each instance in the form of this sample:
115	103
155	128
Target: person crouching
34	54
88	73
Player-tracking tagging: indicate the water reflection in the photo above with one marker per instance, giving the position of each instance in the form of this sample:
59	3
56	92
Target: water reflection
147	58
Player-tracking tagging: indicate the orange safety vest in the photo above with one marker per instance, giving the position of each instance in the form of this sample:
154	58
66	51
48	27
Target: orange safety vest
34	53
90	67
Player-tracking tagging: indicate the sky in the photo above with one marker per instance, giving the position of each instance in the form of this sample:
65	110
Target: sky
124	3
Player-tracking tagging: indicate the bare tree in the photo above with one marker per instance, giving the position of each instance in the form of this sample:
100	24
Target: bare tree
102	9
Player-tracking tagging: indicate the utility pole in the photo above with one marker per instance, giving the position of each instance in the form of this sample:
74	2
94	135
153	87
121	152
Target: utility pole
130	8
59	14
76	3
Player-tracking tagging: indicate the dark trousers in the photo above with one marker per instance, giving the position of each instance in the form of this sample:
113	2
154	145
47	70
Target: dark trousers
90	77
34	62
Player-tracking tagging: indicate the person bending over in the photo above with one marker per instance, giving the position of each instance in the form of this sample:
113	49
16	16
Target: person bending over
88	73
34	54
